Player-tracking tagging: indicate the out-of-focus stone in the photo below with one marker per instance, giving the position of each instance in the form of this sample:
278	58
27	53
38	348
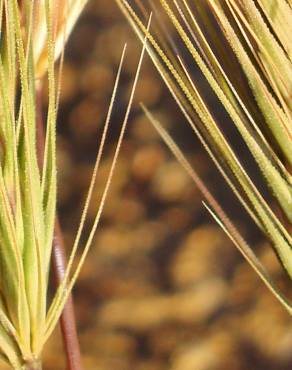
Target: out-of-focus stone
108	11
125	241
97	79
266	328
128	211
210	353
188	307
85	119
244	286
110	44
120	179
166	339
107	343
146	162
205	251
151	365
93	362
148	90
171	183
177	218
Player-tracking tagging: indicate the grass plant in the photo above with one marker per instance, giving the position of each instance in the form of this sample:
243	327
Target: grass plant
242	48
32	37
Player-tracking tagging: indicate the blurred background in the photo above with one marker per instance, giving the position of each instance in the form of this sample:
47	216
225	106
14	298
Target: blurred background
162	288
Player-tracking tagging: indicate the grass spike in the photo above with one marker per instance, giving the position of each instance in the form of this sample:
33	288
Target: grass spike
248	31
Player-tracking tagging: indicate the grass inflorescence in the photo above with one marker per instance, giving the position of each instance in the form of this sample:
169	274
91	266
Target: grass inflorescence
242	49
32	37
